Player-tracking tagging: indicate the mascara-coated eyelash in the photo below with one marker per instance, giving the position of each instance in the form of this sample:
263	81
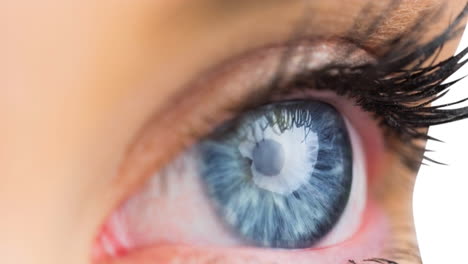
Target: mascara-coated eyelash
396	88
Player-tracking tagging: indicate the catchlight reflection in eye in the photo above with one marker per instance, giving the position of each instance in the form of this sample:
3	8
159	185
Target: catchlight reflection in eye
286	175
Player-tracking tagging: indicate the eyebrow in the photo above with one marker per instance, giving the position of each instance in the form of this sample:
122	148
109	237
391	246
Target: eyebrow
398	14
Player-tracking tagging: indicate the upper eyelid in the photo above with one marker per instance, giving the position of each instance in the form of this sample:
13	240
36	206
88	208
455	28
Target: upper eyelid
197	110
383	15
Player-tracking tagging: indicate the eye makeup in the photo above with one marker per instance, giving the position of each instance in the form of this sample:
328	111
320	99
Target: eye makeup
394	87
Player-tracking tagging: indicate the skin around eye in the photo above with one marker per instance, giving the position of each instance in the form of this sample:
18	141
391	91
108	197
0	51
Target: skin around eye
169	250
156	217
88	82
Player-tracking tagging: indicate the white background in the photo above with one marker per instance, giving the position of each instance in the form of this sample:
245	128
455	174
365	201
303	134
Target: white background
441	192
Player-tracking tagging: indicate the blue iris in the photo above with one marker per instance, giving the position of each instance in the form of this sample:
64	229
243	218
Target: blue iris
280	176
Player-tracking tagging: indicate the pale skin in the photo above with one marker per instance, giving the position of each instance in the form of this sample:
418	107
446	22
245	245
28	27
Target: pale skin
85	81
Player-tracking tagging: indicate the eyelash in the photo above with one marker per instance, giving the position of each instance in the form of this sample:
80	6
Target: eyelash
395	89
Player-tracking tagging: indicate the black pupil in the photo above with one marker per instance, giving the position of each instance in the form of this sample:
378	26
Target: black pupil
268	157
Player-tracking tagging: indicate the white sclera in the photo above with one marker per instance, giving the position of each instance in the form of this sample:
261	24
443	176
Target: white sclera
351	219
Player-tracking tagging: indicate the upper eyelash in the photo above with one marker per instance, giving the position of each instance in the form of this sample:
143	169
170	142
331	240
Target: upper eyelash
396	88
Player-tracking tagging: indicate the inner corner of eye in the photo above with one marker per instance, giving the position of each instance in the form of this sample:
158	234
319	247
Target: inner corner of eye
288	175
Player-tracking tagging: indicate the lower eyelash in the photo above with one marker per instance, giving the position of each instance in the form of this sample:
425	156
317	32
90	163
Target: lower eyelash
396	88
373	260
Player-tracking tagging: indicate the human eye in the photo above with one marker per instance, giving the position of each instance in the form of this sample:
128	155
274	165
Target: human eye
293	170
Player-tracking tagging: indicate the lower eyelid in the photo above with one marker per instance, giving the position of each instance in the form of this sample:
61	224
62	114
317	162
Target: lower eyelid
369	241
